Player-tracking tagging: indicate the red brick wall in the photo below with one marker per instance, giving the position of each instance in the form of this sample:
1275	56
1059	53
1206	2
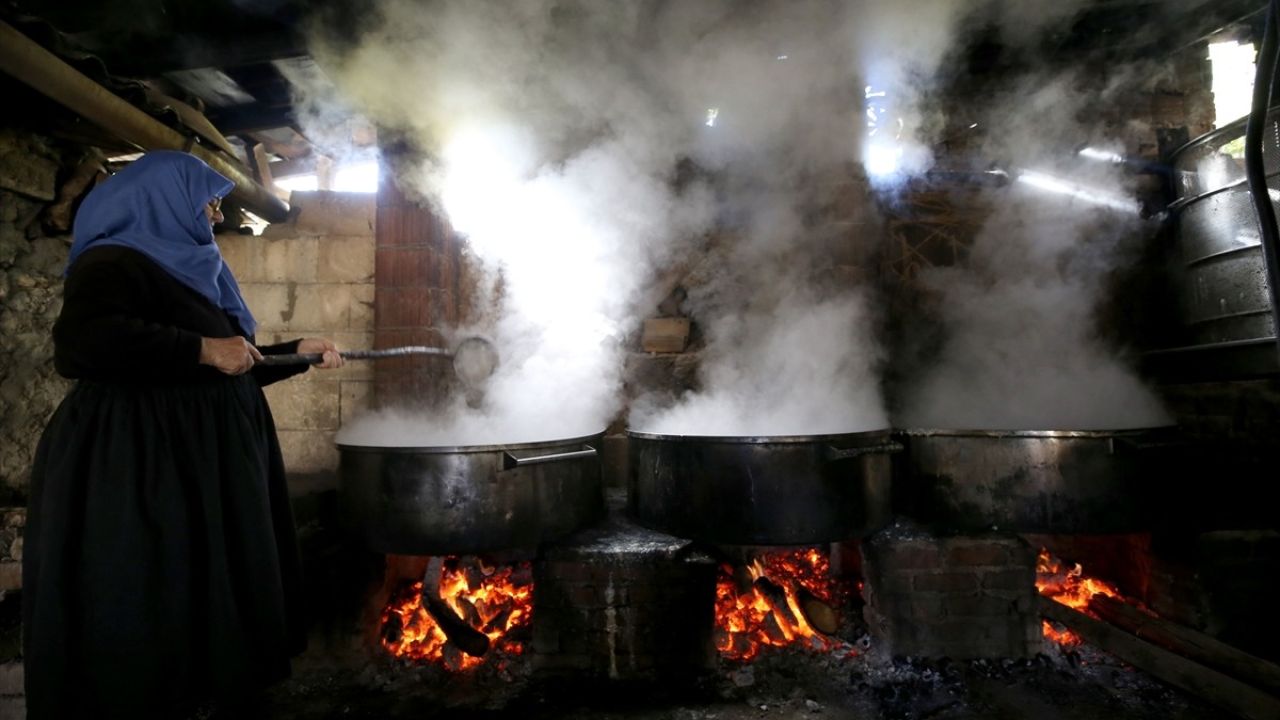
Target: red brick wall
417	276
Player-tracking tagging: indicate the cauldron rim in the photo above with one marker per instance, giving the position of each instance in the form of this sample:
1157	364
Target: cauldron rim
469	449
864	435
991	433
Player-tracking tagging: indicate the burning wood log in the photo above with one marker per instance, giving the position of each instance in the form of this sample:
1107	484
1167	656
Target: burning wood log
777	597
469	612
1217	688
1189	643
821	616
463	636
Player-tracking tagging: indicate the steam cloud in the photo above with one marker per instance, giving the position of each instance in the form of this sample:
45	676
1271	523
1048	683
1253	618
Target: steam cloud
1022	349
554	130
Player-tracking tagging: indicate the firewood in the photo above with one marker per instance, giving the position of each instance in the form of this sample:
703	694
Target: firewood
778	598
1189	643
499	621
821	616
466	638
468	612
773	629
1215	687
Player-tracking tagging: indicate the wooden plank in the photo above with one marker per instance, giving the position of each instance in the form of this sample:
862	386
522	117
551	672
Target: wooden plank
1189	643
1215	687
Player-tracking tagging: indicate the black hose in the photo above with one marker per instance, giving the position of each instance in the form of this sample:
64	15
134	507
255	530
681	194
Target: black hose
1268	57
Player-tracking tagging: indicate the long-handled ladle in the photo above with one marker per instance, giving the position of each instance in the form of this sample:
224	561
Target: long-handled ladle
474	359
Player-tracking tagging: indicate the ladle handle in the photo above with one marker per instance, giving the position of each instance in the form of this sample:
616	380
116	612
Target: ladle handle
317	358
510	461
834	453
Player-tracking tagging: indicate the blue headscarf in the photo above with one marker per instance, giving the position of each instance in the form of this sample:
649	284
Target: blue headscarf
155	205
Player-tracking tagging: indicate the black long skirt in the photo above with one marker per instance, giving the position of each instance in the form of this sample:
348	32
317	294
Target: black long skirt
160	565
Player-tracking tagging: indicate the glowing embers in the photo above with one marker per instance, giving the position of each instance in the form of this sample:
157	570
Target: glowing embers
778	599
495	601
1069	586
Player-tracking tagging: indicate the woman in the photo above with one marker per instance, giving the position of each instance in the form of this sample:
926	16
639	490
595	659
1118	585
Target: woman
160	567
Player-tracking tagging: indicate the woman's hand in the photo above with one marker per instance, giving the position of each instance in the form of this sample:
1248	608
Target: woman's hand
323	345
232	355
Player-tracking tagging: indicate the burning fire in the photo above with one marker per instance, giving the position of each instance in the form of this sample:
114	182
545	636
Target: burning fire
776	600
489	600
1069	586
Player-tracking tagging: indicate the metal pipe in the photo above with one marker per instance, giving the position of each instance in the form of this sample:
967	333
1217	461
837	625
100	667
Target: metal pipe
25	60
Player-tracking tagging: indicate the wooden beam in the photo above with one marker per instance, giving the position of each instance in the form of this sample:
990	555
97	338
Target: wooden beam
1189	643
1225	692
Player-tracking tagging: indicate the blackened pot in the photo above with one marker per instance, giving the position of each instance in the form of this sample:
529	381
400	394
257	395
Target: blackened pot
470	499
1036	481
783	490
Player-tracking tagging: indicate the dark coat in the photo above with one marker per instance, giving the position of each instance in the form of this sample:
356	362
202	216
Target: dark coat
160	564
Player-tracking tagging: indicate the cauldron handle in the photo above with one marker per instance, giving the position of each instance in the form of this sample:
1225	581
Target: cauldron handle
1135	445
835	453
510	461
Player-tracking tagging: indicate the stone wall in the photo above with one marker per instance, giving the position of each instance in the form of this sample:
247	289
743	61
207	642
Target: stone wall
31	264
313	277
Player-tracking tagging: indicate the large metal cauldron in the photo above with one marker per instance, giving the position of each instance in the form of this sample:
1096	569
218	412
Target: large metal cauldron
1050	481
470	499
795	490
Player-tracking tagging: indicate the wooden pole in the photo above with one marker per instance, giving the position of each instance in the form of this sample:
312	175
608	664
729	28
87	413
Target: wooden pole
1189	643
1225	692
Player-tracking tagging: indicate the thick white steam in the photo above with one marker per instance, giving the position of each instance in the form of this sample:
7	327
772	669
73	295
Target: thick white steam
1022	348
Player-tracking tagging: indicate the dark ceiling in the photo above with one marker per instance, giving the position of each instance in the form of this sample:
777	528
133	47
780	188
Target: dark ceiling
233	58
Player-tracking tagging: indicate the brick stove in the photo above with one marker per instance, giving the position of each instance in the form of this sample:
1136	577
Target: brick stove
624	603
960	596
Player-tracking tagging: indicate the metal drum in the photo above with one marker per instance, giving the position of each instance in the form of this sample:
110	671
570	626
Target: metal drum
1220	273
786	490
1041	481
470	499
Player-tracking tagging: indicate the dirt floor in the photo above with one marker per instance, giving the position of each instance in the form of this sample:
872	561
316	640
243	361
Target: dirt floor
856	683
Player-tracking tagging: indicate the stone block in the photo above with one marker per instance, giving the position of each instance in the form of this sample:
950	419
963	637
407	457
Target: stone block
915	556
305	403
281	230
308	451
243	254
10	576
13	708
289	260
946	581
1009	579
979	605
345	259
924	607
324	212
320	308
11	678
361	315
665	335
25	172
355	400
271	305
967	552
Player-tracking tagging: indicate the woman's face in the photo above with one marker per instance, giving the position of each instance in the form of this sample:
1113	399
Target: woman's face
213	211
